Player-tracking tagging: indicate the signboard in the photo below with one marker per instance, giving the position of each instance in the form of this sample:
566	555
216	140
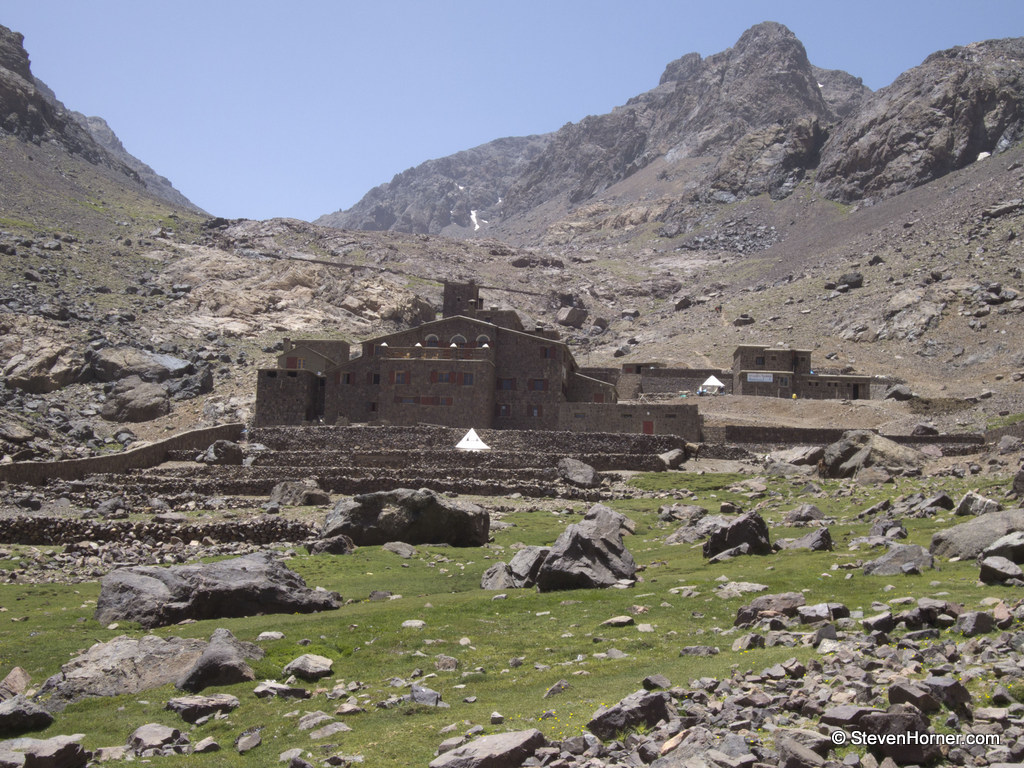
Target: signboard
760	378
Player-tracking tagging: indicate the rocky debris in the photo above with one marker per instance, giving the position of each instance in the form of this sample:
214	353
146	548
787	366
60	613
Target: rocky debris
194	708
588	555
19	714
858	449
300	493
54	752
500	750
133	400
222	663
968	540
746	535
901	559
578	473
415	517
309	666
244	586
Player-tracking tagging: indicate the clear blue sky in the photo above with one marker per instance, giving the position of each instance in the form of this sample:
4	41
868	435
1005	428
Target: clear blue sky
260	109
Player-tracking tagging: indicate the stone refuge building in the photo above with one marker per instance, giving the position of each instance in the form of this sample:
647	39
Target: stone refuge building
474	367
783	372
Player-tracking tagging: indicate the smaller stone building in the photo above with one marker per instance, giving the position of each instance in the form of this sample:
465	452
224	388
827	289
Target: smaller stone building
782	372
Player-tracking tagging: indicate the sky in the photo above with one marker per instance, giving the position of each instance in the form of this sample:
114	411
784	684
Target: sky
258	109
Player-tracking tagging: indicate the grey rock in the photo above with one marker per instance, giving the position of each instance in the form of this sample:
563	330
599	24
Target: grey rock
577	473
818	540
153	737
192	708
588	555
400	548
133	400
973	503
243	586
299	493
526	564
998	570
309	667
642	708
415	517
222	453
500	750
749	529
900	559
222	663
969	539
19	714
498	577
54	752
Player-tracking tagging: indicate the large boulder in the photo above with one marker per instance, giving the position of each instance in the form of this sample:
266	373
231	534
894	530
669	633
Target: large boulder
861	448
299	493
54	752
576	472
415	517
243	586
46	368
901	559
643	708
588	554
968	540
116	363
222	453
19	714
499	750
747	535
135	400
222	663
121	666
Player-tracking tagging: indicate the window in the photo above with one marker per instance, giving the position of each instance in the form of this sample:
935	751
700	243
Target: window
759	361
504	411
506	384
373	407
406	400
401	377
432	341
375	378
271	374
627	415
440	377
466	379
293	374
483	339
533	411
599	397
459	340
578	415
547	353
537	385
346	378
784	381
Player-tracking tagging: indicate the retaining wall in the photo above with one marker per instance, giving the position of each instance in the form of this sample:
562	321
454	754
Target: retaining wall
39	472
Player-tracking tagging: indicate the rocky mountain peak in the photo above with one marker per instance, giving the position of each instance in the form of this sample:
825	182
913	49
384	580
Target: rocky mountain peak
13	56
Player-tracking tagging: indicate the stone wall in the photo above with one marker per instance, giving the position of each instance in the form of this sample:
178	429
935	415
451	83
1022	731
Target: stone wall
788	436
645	418
39	529
657	381
39	472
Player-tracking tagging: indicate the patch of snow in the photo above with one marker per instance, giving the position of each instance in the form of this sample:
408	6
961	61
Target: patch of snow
476	224
820	85
983	155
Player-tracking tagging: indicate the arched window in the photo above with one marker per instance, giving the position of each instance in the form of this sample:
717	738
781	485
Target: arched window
432	340
483	339
459	340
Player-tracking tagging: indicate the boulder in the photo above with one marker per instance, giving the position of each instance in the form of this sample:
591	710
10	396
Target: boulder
155	739
891	728
642	708
192	708
500	750
857	449
748	531
698	530
116	363
900	559
526	564
415	517
498	577
54	752
243	586
968	540
222	663
998	570
222	453
973	503
299	493
802	515
673	459
309	667
818	540
780	604
577	473
133	400
588	554
20	714
1010	546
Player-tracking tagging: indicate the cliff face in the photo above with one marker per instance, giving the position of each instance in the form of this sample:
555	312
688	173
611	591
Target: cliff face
750	120
31	112
935	118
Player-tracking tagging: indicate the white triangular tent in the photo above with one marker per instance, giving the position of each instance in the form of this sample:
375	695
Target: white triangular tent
472	442
712	385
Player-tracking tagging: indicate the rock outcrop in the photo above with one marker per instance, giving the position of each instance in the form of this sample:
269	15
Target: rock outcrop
243	586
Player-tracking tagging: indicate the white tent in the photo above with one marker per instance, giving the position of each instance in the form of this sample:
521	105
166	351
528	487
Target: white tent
712	385
472	442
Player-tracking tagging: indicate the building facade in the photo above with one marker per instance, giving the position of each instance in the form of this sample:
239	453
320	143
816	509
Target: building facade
783	372
474	367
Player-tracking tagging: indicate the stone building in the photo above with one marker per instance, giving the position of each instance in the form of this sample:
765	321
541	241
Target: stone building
474	367
783	372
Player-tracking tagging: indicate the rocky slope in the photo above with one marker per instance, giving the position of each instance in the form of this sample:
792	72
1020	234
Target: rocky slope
756	118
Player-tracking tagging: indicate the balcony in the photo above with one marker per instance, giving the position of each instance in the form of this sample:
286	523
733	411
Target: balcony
435	353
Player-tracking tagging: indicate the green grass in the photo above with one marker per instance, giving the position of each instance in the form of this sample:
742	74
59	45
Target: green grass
1005	421
557	634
